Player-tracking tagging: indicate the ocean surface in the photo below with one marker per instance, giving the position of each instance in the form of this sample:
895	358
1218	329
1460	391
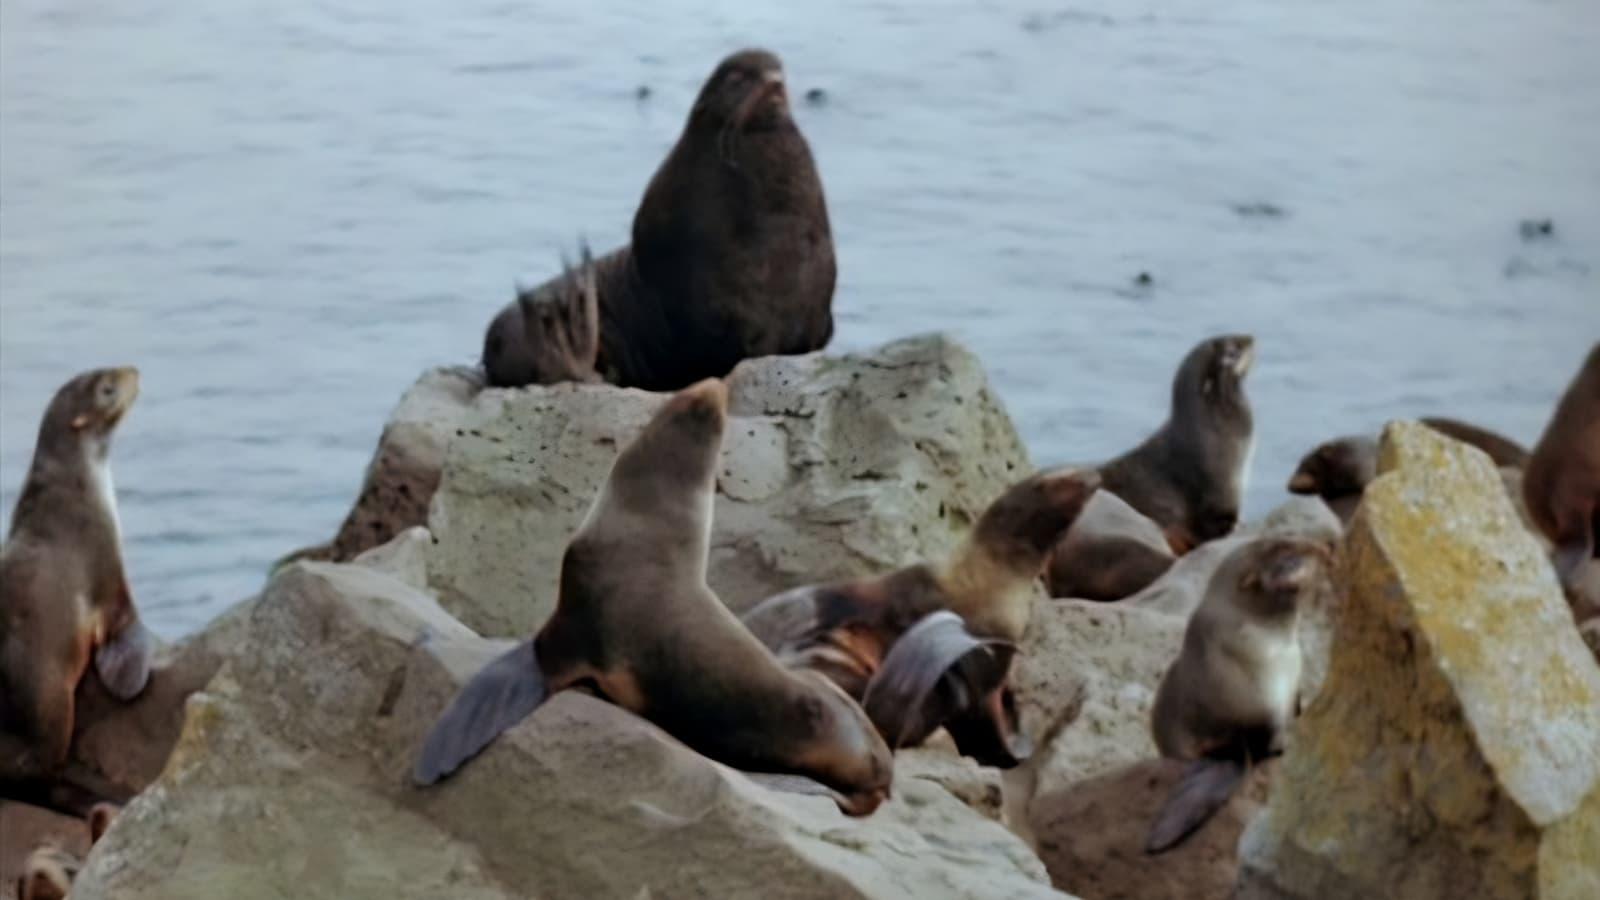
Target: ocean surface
283	212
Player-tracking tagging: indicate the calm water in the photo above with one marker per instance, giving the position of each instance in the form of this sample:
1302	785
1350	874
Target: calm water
283	212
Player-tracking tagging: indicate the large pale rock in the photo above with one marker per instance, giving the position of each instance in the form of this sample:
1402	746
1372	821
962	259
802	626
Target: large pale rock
291	780
833	467
404	471
1455	748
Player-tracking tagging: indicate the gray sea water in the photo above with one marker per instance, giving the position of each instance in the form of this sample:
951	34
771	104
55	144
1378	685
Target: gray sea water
283	212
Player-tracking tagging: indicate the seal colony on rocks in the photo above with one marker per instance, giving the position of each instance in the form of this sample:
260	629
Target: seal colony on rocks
878	639
636	622
1227	699
731	254
1561	485
64	597
1189	476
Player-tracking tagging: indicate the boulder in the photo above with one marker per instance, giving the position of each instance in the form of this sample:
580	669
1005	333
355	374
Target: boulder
833	467
404	471
291	779
1455	746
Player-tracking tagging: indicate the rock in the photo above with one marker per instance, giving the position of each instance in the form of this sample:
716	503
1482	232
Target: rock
404	559
979	787
833	468
404	471
1457	739
291	779
1301	517
1091	835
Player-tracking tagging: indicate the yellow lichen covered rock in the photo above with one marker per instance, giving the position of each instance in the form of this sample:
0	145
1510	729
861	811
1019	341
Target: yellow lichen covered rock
1454	750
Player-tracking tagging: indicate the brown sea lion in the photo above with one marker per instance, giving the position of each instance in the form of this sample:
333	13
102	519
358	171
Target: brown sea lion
732	252
1339	470
933	671
1189	477
1227	699
1561	484
636	621
64	598
49	870
549	334
1111	552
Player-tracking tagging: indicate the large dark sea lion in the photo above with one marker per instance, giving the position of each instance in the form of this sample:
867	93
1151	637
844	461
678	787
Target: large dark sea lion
1227	699
930	645
731	254
636	621
1189	476
1561	485
64	597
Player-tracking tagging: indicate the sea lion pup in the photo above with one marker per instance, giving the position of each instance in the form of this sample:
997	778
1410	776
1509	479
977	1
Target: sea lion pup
64	598
1234	688
1111	552
636	621
1339	470
1561	485
1189	476
732	252
878	635
549	334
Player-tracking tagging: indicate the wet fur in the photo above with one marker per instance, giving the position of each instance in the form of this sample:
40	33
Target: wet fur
549	334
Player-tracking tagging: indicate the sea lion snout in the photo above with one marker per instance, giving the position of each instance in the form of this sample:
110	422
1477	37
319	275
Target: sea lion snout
1238	353
1302	482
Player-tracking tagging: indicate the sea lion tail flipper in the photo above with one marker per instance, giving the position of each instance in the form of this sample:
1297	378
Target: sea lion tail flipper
123	662
500	696
902	699
1206	786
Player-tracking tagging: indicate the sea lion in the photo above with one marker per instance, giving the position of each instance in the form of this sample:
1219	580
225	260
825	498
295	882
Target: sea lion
1189	477
636	621
1227	699
1109	553
550	334
1339	470
64	597
50	869
879	629
732	252
1561	484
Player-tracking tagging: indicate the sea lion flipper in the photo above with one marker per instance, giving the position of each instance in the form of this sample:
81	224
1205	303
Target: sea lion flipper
500	696
123	662
901	699
1206	786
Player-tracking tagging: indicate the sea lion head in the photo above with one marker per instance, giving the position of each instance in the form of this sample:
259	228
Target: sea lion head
1020	528
551	334
844	750
87	409
1270	575
1337	468
746	93
676	455
1211	378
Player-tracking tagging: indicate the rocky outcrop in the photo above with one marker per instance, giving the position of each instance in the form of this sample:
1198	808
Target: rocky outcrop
833	467
290	779
404	472
1455	748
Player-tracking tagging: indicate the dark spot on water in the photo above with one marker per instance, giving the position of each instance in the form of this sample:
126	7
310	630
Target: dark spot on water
1143	279
1536	229
642	92
1259	210
816	96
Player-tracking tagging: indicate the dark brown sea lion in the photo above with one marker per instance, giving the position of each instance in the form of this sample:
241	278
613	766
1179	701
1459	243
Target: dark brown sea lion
732	252
1111	552
64	598
549	334
1561	484
1227	699
880	636
1339	470
636	621
1190	475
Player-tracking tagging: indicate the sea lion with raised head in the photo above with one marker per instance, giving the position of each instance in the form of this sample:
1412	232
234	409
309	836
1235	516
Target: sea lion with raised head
881	639
636	621
1189	476
1227	699
1339	470
1561	484
550	334
732	252
1111	552
64	597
